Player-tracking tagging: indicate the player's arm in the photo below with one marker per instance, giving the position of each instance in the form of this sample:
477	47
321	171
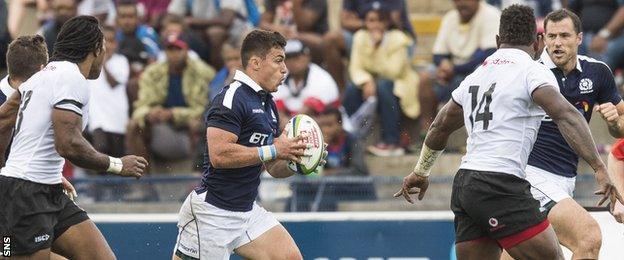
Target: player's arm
571	123
71	145
448	120
616	173
225	153
8	115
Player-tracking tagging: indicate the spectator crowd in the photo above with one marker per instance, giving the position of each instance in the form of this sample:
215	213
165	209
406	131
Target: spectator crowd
167	59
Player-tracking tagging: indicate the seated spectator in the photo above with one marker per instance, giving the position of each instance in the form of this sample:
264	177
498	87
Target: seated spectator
305	20
380	68
138	42
174	25
62	11
172	98
108	108
308	87
345	158
603	22
337	44
466	37
232	58
217	20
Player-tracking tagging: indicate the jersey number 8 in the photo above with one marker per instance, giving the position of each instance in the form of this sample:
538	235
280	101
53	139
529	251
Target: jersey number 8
486	116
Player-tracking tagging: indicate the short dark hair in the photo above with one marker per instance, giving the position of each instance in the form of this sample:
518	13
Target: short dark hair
557	16
25	56
78	37
517	25
332	111
259	43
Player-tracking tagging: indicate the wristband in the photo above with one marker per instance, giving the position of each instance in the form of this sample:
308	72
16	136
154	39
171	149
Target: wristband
267	153
115	165
426	160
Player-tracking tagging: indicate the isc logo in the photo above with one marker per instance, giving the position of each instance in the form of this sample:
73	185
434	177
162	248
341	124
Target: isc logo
6	247
258	138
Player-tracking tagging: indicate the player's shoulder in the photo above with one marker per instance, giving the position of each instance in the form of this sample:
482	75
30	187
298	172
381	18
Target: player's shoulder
63	70
231	96
593	66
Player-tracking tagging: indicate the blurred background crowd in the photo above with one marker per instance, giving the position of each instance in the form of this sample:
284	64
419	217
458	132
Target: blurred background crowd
373	73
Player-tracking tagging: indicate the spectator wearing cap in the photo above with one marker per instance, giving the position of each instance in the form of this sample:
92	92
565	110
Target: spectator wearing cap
308	88
171	99
337	44
380	69
466	37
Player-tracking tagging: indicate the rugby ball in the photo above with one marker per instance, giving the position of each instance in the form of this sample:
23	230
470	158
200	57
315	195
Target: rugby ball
305	125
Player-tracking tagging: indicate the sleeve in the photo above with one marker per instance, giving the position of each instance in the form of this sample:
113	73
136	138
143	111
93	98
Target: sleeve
357	72
538	76
72	95
439	46
618	149
458	94
224	116
177	7
608	89
150	40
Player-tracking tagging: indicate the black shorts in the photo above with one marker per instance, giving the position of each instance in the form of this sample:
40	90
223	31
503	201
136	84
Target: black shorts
35	214
495	205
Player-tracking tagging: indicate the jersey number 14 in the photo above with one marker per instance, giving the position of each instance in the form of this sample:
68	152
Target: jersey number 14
476	115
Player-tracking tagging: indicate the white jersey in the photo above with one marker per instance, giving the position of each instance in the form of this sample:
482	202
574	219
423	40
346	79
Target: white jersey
33	156
499	113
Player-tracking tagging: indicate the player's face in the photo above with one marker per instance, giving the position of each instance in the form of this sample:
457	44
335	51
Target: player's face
272	69
96	66
562	42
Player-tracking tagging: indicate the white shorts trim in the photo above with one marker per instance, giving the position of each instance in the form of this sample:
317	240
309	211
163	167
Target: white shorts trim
547	186
209	232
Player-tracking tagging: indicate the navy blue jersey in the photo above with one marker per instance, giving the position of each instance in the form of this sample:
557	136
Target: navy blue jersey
249	112
590	83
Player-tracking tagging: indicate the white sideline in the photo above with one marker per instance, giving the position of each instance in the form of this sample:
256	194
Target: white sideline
290	217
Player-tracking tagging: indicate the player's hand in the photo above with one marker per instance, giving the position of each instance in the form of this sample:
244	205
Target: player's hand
598	44
617	210
323	156
606	188
291	149
609	112
69	188
153	116
413	184
133	166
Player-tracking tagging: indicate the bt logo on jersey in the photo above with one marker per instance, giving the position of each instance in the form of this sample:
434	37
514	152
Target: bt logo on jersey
258	138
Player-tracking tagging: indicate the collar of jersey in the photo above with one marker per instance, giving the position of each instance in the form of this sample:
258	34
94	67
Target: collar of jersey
545	59
5	87
242	77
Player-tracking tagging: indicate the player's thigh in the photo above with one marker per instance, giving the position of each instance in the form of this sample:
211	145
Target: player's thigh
542	246
83	241
43	254
477	249
573	230
276	243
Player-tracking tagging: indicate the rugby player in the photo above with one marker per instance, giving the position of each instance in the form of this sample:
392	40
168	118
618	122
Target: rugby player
36	213
501	104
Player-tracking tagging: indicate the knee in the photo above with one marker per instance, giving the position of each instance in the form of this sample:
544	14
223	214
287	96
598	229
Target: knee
590	241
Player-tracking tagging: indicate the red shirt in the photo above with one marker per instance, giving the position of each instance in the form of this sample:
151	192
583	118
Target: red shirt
618	149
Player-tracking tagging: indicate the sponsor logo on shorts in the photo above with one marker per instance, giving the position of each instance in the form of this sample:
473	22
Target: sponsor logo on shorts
6	246
42	238
188	249
493	222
